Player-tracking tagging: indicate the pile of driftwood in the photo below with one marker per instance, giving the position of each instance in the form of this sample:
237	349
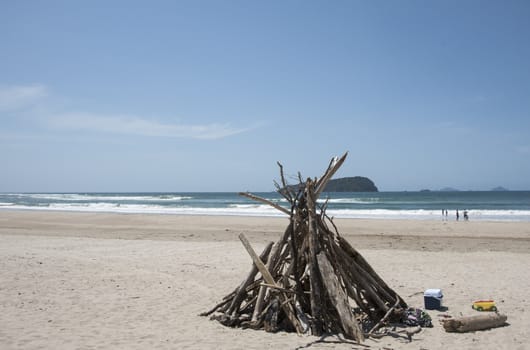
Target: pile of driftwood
311	280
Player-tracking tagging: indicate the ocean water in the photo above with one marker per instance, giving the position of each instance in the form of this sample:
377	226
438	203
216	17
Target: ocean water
495	206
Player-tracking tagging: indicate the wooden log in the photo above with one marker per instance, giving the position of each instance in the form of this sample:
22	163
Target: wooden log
314	276
295	221
287	307
248	307
361	262
225	301
474	323
339	300
350	286
241	290
334	165
277	288
266	201
370	289
284	190
273	260
385	318
361	280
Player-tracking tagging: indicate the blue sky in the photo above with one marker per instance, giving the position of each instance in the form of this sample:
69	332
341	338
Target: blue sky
209	95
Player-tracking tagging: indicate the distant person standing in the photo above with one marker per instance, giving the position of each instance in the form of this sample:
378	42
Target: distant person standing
465	215
457	215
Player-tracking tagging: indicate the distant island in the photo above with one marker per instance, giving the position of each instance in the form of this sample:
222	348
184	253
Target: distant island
346	184
351	184
499	189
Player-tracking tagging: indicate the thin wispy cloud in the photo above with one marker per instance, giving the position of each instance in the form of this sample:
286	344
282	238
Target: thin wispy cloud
37	99
131	125
21	96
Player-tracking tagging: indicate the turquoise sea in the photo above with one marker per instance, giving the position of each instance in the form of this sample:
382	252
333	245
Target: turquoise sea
487	205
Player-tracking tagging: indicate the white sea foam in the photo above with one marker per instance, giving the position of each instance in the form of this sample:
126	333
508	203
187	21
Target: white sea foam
245	206
349	200
232	210
265	210
96	197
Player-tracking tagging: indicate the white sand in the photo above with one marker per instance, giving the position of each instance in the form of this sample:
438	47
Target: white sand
73	280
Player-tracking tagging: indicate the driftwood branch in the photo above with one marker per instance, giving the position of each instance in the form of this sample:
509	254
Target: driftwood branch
268	278
273	286
284	189
385	318
241	291
332	169
266	201
340	299
314	279
474	323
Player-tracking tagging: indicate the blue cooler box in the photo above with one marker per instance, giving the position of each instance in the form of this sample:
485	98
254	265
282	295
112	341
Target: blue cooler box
433	299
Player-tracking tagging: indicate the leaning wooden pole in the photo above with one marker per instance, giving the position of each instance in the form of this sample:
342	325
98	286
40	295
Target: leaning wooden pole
339	299
268	278
273	259
314	276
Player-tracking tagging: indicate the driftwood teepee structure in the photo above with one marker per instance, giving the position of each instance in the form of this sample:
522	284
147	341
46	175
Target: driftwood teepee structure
311	279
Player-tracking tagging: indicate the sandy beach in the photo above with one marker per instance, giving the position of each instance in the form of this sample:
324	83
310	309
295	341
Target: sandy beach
128	281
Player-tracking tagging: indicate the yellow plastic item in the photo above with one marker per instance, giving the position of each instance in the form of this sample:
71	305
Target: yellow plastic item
484	305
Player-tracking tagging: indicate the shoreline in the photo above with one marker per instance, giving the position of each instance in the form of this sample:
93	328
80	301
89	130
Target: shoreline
482	215
422	235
